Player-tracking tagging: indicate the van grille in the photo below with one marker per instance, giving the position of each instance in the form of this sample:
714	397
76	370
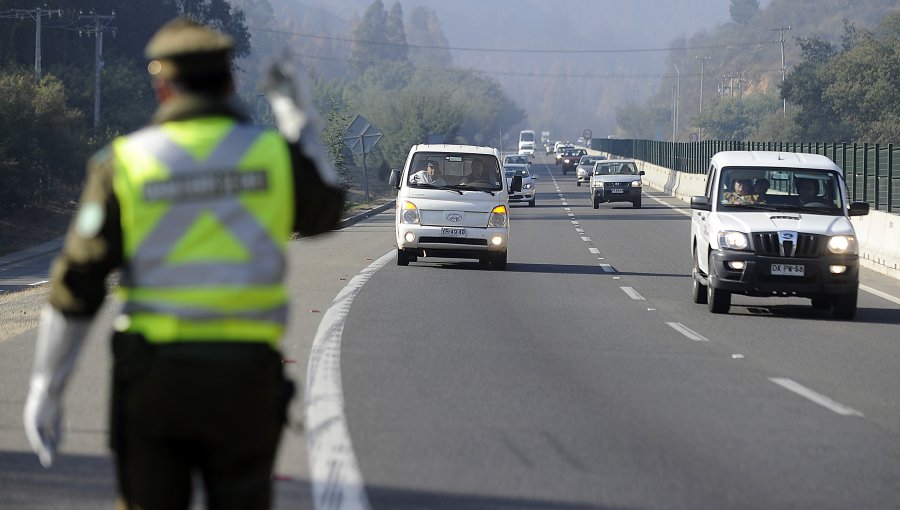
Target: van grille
452	240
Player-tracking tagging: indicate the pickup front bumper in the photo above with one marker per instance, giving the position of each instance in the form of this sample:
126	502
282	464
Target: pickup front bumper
756	278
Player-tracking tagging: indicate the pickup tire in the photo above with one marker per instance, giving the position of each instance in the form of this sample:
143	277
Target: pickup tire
596	204
578	183
637	203
844	306
718	300
402	258
698	290
531	202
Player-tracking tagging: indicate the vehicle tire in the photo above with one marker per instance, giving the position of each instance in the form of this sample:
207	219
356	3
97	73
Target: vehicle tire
698	290
596	204
844	306
531	202
718	300
578	183
821	303
402	258
636	204
500	261
564	171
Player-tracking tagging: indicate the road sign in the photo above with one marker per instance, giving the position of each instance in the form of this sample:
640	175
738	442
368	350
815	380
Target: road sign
587	134
361	136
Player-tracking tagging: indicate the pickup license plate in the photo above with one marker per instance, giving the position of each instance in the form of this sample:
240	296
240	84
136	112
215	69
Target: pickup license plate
453	232
614	190
788	269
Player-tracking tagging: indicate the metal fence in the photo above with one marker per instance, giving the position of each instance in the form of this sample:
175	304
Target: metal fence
872	171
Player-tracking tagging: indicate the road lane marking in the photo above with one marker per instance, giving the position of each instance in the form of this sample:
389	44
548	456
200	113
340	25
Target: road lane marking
38	283
688	332
670	206
586	239
594	250
633	294
818	398
579	230
336	480
880	294
607	268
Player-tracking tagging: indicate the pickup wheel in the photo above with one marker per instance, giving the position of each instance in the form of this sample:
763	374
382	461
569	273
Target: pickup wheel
821	303
402	258
531	202
637	203
718	300
596	204
844	306
698	290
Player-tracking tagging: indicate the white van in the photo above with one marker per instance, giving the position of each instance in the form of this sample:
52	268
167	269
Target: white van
526	142
453	202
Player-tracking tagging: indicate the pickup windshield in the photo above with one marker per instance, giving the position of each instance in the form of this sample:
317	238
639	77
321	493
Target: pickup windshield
781	189
450	170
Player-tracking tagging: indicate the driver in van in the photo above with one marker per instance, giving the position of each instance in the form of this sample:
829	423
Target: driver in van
477	173
428	175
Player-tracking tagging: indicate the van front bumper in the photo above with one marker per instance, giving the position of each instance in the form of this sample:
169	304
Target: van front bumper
436	241
756	278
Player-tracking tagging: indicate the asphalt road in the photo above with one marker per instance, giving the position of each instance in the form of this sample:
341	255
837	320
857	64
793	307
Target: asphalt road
581	377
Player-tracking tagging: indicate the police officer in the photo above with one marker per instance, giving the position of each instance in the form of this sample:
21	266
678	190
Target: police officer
196	210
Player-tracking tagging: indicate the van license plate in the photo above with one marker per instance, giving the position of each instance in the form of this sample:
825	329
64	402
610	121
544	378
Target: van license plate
788	269
453	232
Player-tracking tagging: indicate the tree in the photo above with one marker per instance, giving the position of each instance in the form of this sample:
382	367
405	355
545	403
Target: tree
427	40
371	43
396	34
743	11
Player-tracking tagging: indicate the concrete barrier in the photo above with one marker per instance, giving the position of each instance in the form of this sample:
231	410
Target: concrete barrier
878	233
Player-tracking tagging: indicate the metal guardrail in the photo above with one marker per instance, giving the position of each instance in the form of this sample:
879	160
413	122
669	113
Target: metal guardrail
872	171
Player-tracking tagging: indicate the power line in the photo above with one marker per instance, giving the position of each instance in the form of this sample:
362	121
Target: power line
35	14
509	50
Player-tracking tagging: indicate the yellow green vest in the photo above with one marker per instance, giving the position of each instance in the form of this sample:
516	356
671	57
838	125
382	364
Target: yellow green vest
206	209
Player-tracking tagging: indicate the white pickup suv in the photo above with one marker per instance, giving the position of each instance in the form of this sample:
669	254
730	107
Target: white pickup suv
775	224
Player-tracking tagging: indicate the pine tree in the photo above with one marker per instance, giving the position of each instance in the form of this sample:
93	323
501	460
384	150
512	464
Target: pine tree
744	11
396	34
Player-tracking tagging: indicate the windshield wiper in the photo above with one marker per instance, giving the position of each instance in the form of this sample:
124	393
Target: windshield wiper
759	207
830	210
468	187
448	188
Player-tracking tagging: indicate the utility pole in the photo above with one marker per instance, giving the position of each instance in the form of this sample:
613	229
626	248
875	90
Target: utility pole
783	67
35	14
100	24
699	127
675	103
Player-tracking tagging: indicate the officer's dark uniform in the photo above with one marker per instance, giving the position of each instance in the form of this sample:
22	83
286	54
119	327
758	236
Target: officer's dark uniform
179	407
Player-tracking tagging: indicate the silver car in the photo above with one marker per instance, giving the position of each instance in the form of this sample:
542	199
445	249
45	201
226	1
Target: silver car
584	168
527	193
616	180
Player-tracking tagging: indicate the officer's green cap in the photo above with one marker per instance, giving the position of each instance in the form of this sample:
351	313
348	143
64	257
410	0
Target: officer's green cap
185	48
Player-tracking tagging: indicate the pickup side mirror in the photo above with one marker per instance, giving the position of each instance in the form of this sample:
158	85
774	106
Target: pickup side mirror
859	208
642	173
394	179
516	185
700	203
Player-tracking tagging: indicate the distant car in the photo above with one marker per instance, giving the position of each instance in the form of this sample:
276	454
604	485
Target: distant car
570	159
517	159
585	167
616	180
527	192
559	148
549	148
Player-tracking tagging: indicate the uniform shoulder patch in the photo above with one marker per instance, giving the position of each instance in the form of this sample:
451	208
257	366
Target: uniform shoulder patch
90	219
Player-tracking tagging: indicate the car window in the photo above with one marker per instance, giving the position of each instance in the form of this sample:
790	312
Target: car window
451	169
815	191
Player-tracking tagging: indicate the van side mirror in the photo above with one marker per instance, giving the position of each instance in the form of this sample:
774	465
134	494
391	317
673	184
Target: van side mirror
642	173
700	203
516	185
394	179
859	208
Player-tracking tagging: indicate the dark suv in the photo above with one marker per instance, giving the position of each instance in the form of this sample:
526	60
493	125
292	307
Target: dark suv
570	158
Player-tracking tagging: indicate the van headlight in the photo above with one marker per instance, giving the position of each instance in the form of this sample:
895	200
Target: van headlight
731	240
410	214
842	245
497	217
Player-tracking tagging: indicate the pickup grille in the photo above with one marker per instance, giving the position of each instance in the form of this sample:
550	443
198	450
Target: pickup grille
808	245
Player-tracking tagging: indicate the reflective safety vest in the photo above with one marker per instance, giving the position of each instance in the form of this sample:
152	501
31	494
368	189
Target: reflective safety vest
207	207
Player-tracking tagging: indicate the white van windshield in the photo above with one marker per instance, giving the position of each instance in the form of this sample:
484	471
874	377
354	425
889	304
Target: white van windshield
526	136
455	171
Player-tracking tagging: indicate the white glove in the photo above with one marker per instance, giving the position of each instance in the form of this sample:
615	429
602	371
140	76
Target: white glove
296	116
59	341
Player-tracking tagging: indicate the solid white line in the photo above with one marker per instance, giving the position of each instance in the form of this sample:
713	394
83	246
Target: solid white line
586	239
633	294
880	294
607	268
686	213
594	250
818	398
337	483
686	331
38	283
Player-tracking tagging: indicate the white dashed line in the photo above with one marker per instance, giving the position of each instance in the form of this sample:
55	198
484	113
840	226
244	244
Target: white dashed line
594	250
818	398
586	239
579	230
686	331
880	294
607	268
38	283
633	294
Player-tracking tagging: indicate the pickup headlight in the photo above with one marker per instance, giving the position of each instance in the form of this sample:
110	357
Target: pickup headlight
410	214
636	184
596	184
731	240
842	245
497	217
